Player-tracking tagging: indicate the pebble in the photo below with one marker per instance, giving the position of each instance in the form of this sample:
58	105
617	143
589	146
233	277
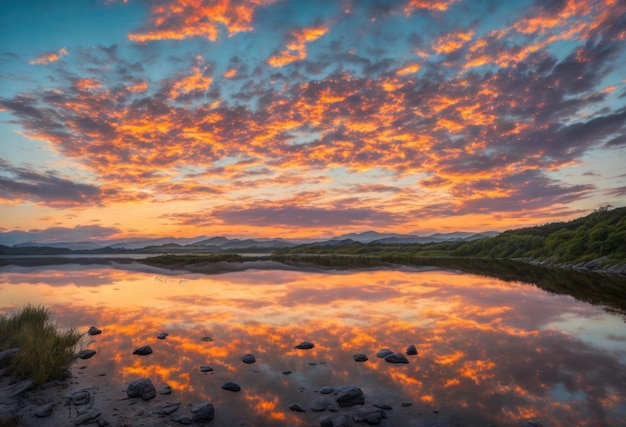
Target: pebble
94	331
206	368
384	353
296	407
162	335
360	357
396	358
206	339
411	350
86	354
305	345
144	350
231	386
248	358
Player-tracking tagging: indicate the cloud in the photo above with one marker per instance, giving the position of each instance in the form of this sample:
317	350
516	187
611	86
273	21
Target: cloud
295	49
59	234
179	19
19	184
49	57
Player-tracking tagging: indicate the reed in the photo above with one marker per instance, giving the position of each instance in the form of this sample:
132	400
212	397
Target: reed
44	351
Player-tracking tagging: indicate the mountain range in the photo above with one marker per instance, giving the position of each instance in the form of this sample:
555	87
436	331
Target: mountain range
24	240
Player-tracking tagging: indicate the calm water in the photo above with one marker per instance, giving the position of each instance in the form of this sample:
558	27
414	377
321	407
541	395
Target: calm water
490	352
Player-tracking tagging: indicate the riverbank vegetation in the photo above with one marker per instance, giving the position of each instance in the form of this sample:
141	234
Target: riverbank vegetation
43	351
599	238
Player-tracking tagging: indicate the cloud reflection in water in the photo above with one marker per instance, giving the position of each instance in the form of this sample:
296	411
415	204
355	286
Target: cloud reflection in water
489	351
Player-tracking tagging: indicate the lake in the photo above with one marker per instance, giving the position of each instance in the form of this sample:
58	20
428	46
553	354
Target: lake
490	352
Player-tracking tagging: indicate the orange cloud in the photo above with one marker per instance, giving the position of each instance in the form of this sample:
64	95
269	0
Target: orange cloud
49	57
408	69
432	6
182	19
452	41
295	49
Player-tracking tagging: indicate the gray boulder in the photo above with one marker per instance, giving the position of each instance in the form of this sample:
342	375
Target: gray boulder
349	395
94	331
203	412
141	388
411	350
360	357
168	408
327	389
231	386
181	419
86	354
248	358
305	345
295	407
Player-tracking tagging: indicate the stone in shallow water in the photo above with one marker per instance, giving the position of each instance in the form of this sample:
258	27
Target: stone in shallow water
168	408
406	404
144	350
182	419
203	412
206	368
166	390
248	358
320	404
86	354
349	395
231	386
326	422
44	411
327	389
305	345
162	335
370	416
80	397
411	350
287	372
382	406
396	358
94	331
141	388
296	407
360	357
384	353
206	339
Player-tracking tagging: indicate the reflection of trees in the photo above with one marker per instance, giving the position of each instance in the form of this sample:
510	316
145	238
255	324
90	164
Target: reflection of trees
484	354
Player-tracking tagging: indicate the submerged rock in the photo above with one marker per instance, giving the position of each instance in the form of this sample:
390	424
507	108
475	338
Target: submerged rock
411	350
326	422
320	404
360	357
305	345
248	358
162	335
81	397
206	339
44	411
141	388
94	331
231	386
384	353
327	389
86	354
287	372
396	358
349	395
166	390
182	419
206	368
203	412
144	350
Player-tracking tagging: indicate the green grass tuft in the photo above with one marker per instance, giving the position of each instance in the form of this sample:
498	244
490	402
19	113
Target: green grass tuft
44	352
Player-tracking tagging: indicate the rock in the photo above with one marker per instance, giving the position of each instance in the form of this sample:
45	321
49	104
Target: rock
326	422
382	406
360	357
141	388
248	358
205	368
320	404
341	421
411	350
406	404
206	339
349	395
168	408
87	418
182	419
44	411
166	390
86	354
231	386
286	372
305	345
81	397
162	335
384	353
203	412
7	355
144	350
396	358
370	416
327	389
94	331
296	408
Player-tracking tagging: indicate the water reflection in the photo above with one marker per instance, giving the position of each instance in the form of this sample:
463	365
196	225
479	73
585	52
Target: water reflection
489	351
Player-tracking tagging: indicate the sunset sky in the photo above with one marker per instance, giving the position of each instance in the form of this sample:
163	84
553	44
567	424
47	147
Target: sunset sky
286	118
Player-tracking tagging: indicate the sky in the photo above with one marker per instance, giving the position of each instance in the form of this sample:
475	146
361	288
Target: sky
293	119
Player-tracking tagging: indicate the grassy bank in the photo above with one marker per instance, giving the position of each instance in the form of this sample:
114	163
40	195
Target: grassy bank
44	352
